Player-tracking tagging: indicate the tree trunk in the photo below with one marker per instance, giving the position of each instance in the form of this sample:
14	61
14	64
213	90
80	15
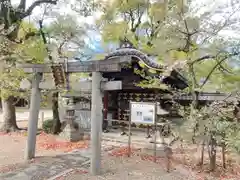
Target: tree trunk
202	154
9	115
11	17
56	121
212	153
201	162
194	103
223	151
194	106
224	155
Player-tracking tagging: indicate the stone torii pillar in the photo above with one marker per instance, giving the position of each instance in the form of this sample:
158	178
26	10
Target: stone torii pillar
33	116
96	123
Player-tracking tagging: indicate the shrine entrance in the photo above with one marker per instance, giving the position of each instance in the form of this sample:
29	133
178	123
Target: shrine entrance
119	63
97	85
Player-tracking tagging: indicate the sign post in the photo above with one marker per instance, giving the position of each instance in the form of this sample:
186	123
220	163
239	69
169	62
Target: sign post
129	132
155	135
142	113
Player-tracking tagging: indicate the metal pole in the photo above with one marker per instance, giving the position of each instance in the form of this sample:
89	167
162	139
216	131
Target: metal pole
96	123
129	132
155	134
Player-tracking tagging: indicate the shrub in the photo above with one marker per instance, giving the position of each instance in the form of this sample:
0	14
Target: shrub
47	126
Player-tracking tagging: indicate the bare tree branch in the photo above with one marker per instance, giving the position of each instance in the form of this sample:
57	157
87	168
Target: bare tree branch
22	5
216	66
204	58
211	72
216	31
34	5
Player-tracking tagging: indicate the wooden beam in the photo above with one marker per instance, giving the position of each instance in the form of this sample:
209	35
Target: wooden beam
110	65
87	86
111	85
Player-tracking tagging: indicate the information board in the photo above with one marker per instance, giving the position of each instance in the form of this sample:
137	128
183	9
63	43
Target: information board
142	112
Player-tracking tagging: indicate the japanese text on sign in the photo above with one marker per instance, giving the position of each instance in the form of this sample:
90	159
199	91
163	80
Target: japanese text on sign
142	113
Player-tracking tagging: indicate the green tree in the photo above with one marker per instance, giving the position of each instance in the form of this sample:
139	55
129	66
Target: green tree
67	37
32	50
11	18
181	36
219	127
186	37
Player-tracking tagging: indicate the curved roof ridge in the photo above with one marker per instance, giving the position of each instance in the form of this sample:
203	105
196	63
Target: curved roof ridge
138	54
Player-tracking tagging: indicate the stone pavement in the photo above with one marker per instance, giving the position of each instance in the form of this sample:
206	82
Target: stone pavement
47	167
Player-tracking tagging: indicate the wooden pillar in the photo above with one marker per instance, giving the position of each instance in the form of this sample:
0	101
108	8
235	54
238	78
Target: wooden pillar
105	111
96	123
33	117
105	104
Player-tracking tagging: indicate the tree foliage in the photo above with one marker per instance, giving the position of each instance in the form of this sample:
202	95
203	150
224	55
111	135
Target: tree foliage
13	38
178	33
31	50
188	37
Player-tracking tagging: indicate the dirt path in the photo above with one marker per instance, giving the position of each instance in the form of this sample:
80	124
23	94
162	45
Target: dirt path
12	149
113	168
121	168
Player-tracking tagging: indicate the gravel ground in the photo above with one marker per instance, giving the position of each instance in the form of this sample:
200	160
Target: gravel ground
123	168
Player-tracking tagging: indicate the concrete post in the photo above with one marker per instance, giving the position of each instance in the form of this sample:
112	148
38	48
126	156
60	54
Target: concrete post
96	123
33	117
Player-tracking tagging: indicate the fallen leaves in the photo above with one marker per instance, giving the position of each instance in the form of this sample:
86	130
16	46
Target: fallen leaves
50	142
8	168
186	160
3	134
123	151
45	143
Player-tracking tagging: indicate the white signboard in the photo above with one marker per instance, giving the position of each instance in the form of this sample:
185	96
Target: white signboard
142	112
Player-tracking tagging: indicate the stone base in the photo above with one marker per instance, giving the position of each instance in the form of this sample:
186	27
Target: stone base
86	136
149	150
160	139
71	134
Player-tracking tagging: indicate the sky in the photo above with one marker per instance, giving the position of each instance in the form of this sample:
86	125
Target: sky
66	8
94	43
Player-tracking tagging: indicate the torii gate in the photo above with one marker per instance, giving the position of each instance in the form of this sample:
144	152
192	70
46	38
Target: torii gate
112	63
96	86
